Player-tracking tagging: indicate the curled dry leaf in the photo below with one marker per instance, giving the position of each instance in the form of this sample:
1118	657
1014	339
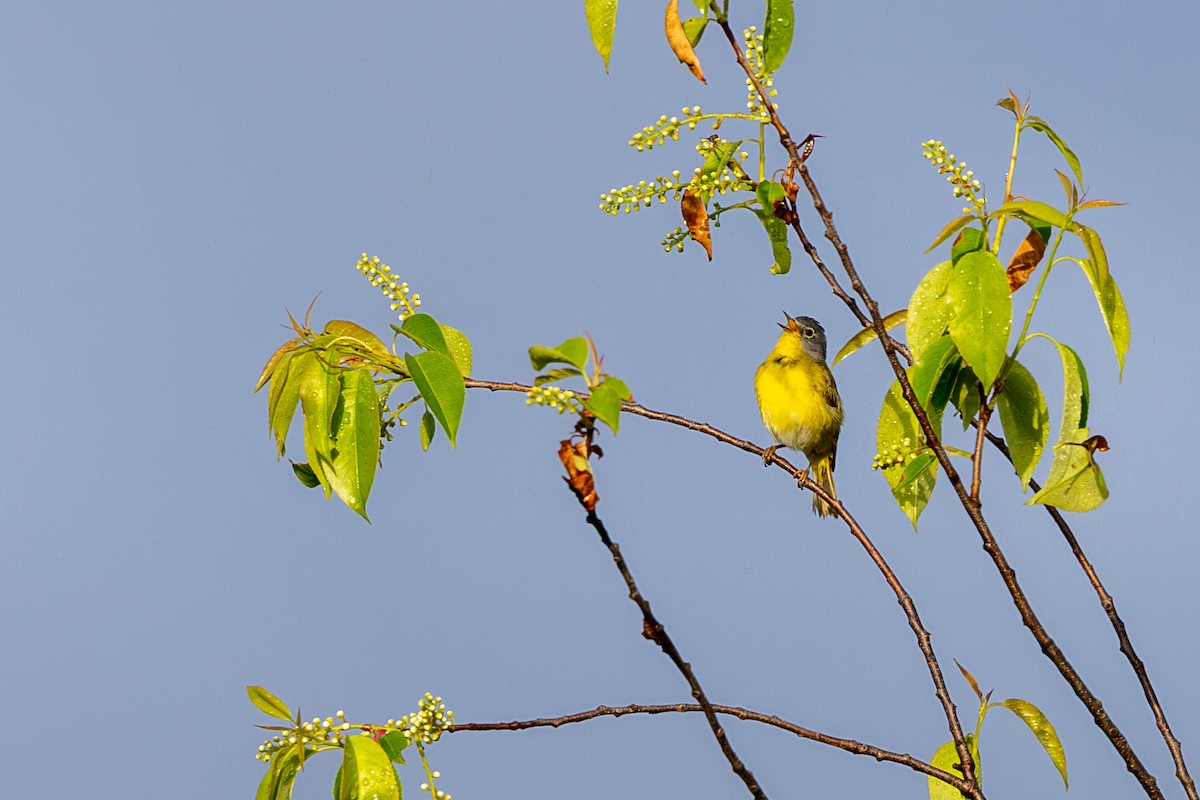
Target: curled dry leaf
1025	260
678	39
574	457
695	215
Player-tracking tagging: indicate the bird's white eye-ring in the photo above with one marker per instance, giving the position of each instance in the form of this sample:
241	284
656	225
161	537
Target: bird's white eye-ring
809	333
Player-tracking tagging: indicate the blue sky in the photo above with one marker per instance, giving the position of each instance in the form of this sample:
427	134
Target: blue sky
175	176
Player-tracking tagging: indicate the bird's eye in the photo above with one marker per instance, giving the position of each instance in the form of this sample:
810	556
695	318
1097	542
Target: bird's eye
809	333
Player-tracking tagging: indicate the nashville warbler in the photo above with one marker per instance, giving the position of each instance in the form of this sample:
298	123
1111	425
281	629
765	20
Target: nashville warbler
799	401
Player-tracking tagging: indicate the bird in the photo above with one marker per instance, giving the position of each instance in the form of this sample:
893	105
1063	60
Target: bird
799	401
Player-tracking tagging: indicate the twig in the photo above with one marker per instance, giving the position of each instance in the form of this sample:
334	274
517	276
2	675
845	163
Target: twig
654	630
977	457
801	477
849	745
1126	646
826	273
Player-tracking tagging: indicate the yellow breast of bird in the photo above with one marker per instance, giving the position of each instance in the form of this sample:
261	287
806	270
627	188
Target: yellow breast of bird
793	397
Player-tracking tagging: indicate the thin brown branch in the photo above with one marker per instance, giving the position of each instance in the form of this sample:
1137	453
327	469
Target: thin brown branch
924	642
826	273
990	545
849	745
977	457
1126	645
655	632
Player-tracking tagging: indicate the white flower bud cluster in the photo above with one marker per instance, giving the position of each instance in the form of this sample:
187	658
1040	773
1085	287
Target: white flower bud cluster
965	184
555	397
380	275
665	128
755	55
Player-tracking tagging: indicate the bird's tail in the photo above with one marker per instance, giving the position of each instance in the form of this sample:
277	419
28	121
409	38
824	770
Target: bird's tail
822	473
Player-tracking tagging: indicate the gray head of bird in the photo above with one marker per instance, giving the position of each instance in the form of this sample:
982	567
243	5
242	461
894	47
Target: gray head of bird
812	335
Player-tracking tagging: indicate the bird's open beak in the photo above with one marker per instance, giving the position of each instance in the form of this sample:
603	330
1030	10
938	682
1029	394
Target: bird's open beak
791	326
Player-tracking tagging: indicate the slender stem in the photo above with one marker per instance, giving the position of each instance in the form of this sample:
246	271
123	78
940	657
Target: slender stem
977	456
1126	645
654	630
1037	295
826	273
849	745
1008	180
924	642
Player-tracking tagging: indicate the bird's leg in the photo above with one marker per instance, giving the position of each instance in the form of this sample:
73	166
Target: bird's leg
769	454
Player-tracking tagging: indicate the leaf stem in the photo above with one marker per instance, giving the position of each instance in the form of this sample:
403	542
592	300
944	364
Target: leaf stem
1008	178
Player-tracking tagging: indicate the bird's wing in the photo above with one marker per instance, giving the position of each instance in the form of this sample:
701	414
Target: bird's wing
833	400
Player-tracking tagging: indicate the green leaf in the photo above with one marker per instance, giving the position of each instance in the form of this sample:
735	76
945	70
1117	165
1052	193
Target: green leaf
693	28
970	240
1076	395
319	389
982	308
965	395
717	158
927	374
1075	482
619	386
602	21
285	349
285	396
281	774
867	334
555	375
605	403
460	348
572	351
946	759
1095	248
1025	419
769	193
441	385
427	333
356	433
952	227
777	33
1112	307
929	310
1039	124
367	772
362	337
915	469
393	743
1032	716
268	703
304	474
427	429
777	232
1032	211
899	434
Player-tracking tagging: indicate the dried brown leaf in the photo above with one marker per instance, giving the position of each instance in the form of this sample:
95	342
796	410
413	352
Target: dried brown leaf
677	38
1025	260
574	457
695	215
